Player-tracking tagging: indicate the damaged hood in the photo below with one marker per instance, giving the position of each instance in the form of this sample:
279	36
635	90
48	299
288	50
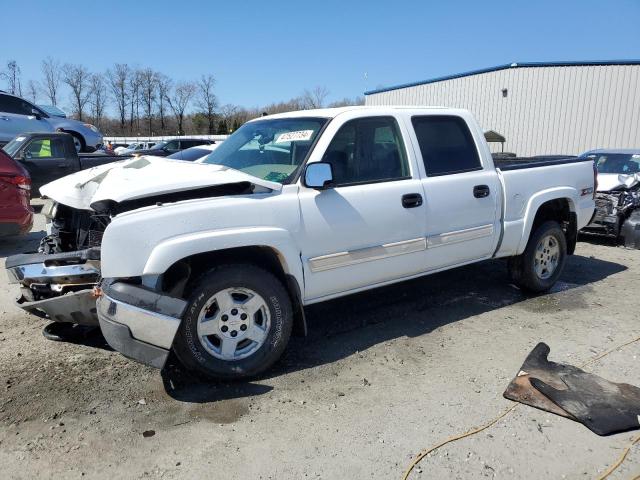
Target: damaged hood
611	181
142	177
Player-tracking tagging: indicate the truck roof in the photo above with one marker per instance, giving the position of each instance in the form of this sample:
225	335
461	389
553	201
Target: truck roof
334	112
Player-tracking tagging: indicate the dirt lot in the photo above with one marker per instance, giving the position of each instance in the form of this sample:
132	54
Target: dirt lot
381	376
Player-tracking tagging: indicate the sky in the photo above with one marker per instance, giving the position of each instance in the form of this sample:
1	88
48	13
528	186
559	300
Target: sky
262	52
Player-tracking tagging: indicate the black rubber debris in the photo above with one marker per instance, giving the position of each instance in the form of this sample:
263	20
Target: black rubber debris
604	407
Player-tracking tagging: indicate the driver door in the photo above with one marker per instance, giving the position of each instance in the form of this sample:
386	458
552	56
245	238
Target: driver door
363	230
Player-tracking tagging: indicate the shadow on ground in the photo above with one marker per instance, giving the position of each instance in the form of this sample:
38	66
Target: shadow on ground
342	327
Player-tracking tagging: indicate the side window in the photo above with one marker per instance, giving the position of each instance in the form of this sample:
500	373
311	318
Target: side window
45	148
367	150
446	145
4	103
172	145
14	105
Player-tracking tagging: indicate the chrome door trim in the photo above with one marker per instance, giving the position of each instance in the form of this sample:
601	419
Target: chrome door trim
449	238
361	255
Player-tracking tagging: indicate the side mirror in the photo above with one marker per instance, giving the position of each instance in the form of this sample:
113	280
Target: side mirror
318	175
35	112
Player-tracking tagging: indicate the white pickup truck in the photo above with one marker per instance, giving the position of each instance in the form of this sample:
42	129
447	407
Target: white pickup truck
216	261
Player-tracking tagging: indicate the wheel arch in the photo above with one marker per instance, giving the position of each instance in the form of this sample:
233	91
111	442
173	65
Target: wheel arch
557	205
179	272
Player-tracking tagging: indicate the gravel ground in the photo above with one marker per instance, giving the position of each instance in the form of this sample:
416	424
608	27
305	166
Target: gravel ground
381	376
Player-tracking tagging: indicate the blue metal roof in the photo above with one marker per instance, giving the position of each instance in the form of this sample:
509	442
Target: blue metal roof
504	67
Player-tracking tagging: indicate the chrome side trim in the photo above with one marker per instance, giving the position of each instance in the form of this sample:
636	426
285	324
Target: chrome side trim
457	236
353	257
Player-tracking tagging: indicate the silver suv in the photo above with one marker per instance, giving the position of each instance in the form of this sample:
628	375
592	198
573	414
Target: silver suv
20	116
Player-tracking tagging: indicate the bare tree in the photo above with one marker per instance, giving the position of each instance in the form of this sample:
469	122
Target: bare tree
148	84
12	76
164	87
315	98
32	91
52	75
77	77
118	81
179	101
98	97
207	101
134	100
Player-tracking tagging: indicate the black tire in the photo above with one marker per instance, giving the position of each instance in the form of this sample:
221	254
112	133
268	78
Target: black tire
522	270
188	346
78	137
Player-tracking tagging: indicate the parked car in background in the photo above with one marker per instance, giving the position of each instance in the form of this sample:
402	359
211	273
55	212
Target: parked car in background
133	148
168	147
16	214
216	260
194	154
18	116
49	156
618	195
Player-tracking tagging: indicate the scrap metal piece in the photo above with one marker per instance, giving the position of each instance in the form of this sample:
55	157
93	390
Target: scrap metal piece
536	365
604	407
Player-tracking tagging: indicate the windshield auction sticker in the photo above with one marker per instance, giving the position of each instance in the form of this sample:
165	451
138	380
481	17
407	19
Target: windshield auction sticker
297	136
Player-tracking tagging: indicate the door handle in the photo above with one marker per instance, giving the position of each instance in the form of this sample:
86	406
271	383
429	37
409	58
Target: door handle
481	191
411	200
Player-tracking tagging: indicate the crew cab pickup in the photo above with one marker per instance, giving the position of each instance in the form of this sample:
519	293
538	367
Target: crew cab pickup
217	260
51	155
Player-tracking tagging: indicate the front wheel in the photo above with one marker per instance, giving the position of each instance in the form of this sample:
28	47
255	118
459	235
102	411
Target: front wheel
78	142
542	262
237	323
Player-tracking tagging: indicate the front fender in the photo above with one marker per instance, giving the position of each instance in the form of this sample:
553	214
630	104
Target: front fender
174	249
534	204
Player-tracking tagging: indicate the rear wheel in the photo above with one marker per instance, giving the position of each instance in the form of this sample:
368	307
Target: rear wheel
237	324
542	262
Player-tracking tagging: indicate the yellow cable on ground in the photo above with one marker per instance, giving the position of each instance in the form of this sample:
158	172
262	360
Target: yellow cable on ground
611	469
424	453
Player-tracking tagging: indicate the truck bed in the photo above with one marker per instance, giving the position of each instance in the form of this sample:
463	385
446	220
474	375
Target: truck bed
517	163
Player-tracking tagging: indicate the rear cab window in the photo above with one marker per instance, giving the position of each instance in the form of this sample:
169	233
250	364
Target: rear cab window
446	145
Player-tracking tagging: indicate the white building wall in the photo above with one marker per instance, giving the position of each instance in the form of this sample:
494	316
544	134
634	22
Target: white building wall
548	110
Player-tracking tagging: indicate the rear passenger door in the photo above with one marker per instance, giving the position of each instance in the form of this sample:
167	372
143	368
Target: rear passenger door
368	227
461	194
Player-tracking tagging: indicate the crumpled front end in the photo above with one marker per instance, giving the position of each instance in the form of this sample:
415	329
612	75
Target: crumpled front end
613	208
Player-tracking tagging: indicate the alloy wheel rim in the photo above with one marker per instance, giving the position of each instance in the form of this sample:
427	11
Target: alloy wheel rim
547	257
233	324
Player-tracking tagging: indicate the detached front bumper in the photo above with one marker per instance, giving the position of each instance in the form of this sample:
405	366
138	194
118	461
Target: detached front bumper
57	286
139	323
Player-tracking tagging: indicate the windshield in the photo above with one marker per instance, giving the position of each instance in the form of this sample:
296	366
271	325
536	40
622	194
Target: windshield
14	145
269	149
621	163
159	145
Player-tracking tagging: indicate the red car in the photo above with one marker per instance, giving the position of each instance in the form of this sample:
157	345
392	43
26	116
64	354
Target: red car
16	214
